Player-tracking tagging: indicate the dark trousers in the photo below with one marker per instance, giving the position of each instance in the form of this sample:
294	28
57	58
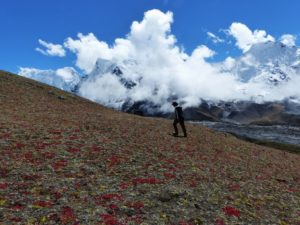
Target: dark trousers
181	122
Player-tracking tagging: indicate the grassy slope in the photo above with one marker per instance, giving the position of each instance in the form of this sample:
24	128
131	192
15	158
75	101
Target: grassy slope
63	161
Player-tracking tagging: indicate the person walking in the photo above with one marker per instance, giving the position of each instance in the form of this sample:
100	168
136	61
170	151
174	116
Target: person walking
178	119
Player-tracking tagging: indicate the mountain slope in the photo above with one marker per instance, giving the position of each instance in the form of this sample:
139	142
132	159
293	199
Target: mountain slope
66	160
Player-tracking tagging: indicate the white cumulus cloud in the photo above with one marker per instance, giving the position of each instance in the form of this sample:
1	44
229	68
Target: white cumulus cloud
288	39
215	39
245	38
150	56
161	67
51	49
88	49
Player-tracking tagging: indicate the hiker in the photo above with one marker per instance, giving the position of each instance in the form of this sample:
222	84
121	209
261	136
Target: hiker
178	119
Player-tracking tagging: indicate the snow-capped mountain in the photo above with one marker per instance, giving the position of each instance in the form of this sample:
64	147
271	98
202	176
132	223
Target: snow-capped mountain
109	82
266	66
270	63
65	78
120	70
264	73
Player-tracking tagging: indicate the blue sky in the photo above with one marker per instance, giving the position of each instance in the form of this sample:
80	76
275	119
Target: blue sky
23	23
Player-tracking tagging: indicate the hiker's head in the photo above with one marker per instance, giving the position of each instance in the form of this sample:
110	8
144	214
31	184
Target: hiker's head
174	104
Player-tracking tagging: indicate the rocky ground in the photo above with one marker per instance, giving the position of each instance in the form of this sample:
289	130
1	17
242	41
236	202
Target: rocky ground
65	160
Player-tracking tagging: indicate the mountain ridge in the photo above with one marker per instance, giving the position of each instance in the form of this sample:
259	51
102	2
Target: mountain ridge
267	72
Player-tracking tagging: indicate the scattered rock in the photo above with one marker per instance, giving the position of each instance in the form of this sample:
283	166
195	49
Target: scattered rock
61	97
143	190
197	206
128	212
168	195
4	143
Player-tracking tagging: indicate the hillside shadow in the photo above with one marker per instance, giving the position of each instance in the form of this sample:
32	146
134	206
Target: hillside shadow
178	136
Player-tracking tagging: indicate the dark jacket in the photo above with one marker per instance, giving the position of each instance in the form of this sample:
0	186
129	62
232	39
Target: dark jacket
178	113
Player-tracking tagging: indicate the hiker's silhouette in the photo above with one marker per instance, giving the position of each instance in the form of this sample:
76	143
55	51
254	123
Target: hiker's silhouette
178	119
